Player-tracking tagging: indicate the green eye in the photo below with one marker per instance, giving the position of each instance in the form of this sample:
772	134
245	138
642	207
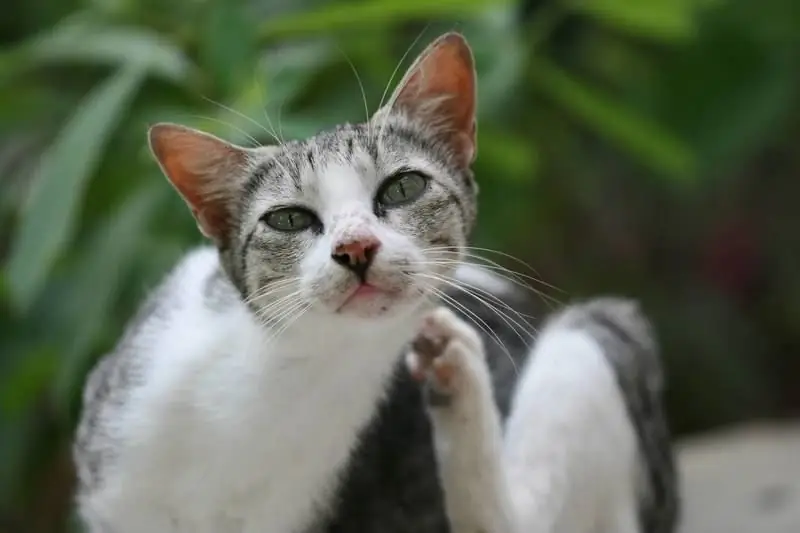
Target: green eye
290	219
402	188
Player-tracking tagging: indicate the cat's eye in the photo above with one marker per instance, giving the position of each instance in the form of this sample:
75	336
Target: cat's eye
290	219
402	188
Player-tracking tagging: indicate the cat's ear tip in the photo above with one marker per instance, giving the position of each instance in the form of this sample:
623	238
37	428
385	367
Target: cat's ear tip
161	130
159	133
454	37
456	41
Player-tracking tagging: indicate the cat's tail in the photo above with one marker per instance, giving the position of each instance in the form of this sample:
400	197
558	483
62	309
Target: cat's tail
628	342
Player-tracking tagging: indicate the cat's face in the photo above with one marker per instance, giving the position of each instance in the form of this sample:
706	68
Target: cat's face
363	220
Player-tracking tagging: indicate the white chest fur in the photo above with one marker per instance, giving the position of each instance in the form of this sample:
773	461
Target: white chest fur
234	433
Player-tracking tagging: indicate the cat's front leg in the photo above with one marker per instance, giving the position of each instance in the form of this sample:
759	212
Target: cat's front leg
447	358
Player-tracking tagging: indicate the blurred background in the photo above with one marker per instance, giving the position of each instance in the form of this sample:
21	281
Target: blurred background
645	148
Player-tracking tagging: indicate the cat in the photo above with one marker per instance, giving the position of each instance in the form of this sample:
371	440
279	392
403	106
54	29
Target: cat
333	363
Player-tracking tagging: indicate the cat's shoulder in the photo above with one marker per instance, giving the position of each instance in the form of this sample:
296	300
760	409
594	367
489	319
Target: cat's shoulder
186	285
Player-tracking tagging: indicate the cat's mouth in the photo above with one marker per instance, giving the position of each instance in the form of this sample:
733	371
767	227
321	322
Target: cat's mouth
366	297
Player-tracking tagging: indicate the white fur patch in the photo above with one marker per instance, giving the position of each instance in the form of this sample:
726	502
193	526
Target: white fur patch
570	448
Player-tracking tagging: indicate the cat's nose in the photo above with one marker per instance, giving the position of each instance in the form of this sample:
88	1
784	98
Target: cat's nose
357	254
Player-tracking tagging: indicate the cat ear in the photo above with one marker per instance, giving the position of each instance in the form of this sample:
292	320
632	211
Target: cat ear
204	169
440	90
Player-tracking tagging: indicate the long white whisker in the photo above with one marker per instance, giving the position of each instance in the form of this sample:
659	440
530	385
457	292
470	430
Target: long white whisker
509	321
249	137
481	290
400	64
277	304
291	319
478	293
509	256
273	133
394	73
270	288
513	277
237	113
361	87
475	319
280	123
287	310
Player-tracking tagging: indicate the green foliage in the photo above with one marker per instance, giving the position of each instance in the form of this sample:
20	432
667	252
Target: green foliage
603	125
56	191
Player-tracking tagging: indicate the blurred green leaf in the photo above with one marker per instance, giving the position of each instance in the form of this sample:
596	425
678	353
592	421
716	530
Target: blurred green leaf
111	254
643	139
345	15
25	381
289	69
227	45
80	41
499	149
738	98
499	57
48	217
671	20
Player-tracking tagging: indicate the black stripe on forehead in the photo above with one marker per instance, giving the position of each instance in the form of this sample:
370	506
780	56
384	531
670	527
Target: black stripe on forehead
273	173
412	138
342	140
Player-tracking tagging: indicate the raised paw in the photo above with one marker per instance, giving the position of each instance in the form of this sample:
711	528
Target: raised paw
444	355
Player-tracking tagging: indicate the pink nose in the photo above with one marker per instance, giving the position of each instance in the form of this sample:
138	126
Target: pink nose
357	254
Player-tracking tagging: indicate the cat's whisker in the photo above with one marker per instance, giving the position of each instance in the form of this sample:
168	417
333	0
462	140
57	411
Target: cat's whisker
280	122
256	123
292	318
361	87
394	73
467	249
284	312
481	290
277	304
508	274
519	329
512	323
237	113
278	136
475	319
537	278
271	322
249	137
271	288
549	300
500	271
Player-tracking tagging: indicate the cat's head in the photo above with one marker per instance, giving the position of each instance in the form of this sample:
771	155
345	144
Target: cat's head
361	220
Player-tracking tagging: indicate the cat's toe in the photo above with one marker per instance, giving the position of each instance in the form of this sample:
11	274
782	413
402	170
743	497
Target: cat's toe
441	351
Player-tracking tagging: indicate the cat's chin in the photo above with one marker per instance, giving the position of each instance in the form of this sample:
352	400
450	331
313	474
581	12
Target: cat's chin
368	301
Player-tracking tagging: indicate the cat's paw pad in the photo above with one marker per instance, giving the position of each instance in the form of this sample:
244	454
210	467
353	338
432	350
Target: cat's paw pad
442	353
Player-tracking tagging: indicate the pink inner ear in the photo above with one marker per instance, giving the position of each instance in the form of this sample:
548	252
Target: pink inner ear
440	88
200	166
